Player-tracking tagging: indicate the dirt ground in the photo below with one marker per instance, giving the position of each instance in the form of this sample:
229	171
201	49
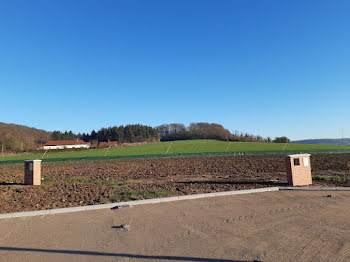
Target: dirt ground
79	183
271	226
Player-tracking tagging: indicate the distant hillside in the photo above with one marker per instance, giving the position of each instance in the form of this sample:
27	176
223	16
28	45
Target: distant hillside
21	138
325	141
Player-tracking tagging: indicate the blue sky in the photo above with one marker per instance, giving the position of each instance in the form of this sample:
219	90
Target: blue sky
270	68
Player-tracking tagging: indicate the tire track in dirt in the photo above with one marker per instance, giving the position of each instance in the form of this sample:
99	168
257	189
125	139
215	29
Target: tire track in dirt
271	212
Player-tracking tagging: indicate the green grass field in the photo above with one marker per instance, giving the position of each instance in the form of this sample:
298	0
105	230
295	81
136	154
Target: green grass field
176	147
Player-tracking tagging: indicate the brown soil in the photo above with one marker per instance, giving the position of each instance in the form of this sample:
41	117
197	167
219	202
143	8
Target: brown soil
69	184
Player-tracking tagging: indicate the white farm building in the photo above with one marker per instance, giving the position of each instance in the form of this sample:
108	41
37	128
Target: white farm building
66	144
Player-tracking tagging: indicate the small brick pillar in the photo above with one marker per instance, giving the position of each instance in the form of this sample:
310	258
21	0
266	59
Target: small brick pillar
299	170
32	172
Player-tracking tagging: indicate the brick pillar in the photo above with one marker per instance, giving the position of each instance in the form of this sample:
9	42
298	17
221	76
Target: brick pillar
299	170
32	172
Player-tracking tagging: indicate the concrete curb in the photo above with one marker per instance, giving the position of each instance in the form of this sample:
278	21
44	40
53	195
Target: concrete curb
165	199
133	203
314	188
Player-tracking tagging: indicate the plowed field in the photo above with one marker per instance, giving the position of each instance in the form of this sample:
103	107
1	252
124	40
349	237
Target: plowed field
67	184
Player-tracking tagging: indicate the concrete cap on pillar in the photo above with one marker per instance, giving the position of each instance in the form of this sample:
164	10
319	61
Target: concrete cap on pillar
299	155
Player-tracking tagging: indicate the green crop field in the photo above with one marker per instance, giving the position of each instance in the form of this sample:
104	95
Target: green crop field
163	149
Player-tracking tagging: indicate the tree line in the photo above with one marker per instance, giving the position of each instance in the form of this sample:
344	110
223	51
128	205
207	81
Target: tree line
58	135
177	131
166	132
122	134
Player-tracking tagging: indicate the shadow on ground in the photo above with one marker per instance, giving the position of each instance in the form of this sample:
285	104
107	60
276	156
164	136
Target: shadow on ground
93	253
11	184
264	183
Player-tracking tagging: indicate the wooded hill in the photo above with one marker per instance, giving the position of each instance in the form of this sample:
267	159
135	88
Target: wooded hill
178	131
20	138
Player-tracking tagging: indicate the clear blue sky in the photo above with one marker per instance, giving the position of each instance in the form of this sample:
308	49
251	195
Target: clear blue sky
265	67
